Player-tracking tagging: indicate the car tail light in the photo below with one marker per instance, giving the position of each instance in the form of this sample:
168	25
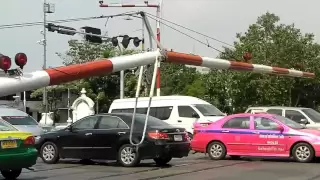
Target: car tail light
205	124
29	141
186	135
158	135
194	132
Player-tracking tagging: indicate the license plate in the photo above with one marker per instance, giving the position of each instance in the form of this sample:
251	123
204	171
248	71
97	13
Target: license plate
8	144
177	138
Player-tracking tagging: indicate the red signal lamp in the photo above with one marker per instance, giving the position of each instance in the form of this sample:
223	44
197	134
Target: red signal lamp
247	56
5	63
21	59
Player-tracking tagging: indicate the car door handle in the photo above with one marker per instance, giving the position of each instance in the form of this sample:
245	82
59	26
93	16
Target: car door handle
179	121
88	134
121	133
225	131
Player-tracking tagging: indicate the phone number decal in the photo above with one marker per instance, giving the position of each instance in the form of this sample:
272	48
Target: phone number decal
271	136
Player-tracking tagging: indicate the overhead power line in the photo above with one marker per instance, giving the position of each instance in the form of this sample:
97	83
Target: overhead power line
215	39
40	23
204	43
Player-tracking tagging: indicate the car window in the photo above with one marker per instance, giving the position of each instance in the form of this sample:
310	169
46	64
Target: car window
129	110
262	123
20	120
162	113
275	111
289	122
238	123
186	111
152	121
294	115
88	122
111	122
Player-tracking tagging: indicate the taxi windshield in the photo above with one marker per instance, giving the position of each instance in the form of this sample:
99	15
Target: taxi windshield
6	127
289	122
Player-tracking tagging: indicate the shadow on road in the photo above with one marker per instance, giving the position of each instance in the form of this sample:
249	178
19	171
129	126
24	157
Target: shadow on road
110	163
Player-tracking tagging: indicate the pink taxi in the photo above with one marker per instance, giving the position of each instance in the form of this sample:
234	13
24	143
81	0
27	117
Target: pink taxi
260	135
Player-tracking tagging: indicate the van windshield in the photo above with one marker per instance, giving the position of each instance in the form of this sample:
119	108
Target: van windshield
19	120
312	114
208	110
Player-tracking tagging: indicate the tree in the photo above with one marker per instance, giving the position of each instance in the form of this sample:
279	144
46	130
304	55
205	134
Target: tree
274	44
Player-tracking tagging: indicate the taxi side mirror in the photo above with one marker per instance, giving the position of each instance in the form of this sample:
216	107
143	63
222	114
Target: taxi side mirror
280	128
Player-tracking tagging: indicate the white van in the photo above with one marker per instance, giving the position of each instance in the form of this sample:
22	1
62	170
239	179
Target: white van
180	111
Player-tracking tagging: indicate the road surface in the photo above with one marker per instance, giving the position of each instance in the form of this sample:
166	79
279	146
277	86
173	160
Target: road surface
194	167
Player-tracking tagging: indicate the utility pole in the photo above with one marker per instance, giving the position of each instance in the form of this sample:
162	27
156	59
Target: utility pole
47	8
146	4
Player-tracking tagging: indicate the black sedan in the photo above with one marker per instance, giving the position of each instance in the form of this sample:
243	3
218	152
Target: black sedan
106	136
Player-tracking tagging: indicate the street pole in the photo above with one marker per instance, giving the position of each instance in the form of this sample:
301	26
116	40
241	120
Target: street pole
121	84
47	8
69	104
24	101
121	78
158	38
45	102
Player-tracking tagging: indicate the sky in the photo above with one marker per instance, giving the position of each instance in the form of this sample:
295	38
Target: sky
220	19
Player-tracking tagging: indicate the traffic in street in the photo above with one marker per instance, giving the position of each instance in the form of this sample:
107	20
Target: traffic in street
195	166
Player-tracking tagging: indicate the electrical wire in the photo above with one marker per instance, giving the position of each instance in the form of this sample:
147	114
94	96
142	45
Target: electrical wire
208	45
190	30
40	23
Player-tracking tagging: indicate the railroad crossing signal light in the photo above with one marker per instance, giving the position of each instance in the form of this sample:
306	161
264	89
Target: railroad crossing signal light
136	41
125	41
114	41
5	63
21	59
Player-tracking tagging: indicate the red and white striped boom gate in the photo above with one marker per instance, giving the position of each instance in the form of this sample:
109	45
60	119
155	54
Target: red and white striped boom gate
54	76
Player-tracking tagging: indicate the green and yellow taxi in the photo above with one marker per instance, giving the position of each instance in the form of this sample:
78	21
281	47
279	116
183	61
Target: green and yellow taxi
17	150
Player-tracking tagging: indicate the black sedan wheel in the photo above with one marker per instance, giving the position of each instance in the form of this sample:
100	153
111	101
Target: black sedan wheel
127	156
11	174
49	153
161	161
